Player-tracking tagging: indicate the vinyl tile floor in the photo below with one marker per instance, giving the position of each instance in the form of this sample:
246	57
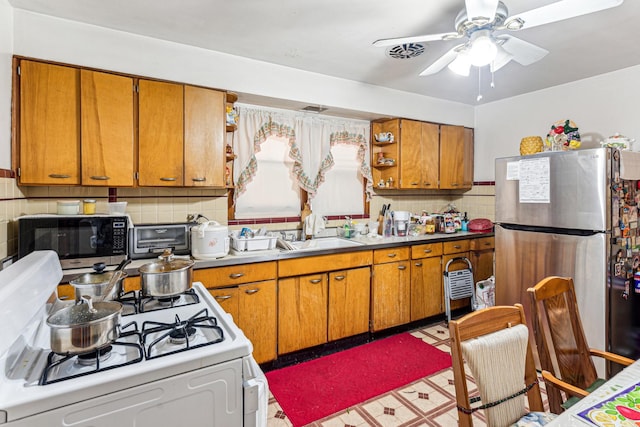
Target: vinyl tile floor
429	401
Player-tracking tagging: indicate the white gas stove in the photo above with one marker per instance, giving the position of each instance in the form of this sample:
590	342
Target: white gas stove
175	363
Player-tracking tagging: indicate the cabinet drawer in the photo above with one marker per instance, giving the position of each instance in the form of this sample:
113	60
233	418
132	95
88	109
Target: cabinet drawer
382	256
482	243
426	251
455	247
323	263
235	274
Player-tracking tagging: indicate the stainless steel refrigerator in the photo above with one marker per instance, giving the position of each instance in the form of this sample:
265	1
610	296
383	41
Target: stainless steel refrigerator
574	213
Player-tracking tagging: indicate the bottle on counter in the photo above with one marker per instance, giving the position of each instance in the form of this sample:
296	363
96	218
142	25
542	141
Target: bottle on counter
388	224
465	222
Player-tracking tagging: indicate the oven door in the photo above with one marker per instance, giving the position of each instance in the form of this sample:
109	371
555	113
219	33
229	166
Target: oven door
207	397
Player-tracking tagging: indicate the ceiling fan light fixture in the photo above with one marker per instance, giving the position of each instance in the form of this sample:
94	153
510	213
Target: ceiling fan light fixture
461	65
483	48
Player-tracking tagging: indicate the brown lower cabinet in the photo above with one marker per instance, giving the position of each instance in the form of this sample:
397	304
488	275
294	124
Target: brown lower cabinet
390	288
292	304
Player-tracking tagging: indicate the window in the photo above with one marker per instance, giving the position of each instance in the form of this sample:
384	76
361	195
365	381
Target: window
273	191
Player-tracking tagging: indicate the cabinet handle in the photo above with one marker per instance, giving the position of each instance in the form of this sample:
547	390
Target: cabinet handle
222	297
457	246
454	184
198	179
341	277
100	178
251	291
414	183
402	267
314	281
392	255
418	264
427	251
236	275
167	179
426	184
59	176
487	244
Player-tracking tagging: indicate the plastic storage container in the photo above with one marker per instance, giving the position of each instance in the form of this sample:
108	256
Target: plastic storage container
68	207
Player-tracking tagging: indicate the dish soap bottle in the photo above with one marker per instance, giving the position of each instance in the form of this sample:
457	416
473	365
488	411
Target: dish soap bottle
465	222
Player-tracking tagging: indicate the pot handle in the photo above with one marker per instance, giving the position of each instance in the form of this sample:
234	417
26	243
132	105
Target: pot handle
87	299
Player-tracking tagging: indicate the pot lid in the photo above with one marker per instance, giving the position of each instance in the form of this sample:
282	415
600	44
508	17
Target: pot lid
83	314
166	264
97	277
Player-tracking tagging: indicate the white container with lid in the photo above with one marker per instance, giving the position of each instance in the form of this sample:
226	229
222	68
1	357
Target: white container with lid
68	207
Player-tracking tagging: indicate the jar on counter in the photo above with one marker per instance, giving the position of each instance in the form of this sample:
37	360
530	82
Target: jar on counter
89	207
429	225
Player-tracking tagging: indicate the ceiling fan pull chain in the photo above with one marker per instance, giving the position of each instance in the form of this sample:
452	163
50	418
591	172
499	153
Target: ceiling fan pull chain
479	97
492	81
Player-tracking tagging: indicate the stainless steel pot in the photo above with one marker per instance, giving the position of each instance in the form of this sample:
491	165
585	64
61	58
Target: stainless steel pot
94	284
84	327
166	277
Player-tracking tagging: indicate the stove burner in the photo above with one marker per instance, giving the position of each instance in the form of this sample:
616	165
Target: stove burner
197	331
181	334
168	301
148	303
93	357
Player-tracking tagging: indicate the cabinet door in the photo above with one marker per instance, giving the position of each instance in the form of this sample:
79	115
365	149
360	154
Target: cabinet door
482	251
430	155
411	155
49	124
467	174
349	302
204	131
107	129
257	318
452	161
390	295
228	300
302	312
426	287
455	266
160	138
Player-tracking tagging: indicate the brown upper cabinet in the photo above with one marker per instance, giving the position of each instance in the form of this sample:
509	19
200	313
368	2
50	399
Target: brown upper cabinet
49	136
75	126
160	134
107	129
425	156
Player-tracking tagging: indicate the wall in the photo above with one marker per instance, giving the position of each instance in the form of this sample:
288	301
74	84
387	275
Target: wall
6	51
600	106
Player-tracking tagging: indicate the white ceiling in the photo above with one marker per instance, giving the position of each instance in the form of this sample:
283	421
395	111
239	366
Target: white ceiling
334	37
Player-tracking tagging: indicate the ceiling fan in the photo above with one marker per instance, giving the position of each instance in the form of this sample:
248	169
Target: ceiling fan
480	24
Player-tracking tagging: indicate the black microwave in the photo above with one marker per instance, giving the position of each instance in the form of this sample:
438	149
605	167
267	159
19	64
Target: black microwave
79	240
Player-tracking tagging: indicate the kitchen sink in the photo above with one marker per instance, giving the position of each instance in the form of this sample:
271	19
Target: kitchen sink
324	243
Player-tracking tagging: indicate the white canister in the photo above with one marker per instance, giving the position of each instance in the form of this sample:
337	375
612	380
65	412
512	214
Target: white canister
209	240
68	207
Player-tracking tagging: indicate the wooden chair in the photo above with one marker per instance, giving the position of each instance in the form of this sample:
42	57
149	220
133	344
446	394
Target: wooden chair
565	358
495	344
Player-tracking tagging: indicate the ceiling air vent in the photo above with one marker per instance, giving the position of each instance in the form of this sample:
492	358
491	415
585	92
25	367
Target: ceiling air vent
314	109
406	51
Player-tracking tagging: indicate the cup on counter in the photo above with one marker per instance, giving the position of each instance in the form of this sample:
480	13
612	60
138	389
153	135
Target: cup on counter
372	226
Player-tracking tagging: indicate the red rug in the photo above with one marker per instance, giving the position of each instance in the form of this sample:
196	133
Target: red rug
315	389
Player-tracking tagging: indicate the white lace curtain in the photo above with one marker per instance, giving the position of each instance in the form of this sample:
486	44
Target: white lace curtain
310	138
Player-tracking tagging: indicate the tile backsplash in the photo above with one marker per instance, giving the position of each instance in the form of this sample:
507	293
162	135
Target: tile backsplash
160	205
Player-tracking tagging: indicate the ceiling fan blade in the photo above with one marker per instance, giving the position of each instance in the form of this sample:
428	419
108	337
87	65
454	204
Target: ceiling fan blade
561	10
502	58
442	62
416	39
523	52
481	10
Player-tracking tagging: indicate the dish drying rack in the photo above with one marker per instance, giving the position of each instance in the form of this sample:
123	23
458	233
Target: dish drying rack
247	240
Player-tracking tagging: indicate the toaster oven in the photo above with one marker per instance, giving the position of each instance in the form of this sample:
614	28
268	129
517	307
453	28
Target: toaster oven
150	240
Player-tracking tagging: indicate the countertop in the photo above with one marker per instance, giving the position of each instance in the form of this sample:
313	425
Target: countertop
238	258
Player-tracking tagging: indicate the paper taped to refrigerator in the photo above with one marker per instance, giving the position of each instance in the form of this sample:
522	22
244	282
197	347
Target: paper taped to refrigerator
535	180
